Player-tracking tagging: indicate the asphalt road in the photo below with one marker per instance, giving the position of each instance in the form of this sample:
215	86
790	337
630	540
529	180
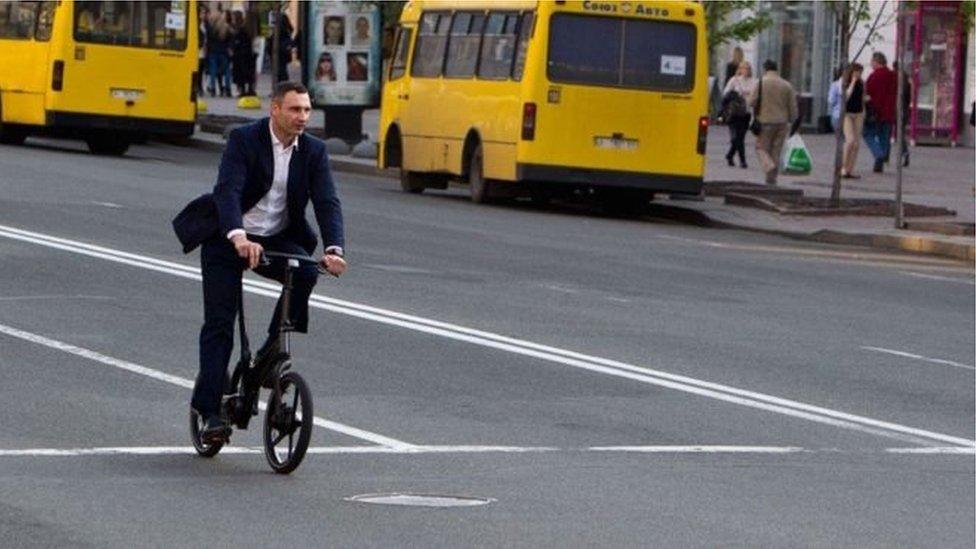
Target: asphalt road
605	382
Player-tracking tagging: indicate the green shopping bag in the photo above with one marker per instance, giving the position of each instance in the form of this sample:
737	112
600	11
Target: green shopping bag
795	159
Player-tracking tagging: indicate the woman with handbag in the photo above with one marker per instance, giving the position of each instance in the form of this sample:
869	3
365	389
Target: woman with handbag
853	118
736	113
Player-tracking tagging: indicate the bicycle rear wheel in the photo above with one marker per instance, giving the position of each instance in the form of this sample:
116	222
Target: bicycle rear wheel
288	424
196	425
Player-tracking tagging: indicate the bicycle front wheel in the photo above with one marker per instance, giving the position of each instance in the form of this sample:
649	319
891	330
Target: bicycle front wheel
288	424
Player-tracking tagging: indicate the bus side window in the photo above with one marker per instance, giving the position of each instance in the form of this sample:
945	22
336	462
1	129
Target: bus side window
428	57
462	50
17	19
399	65
498	47
525	32
45	19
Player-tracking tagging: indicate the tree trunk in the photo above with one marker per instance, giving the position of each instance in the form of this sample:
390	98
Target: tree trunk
845	20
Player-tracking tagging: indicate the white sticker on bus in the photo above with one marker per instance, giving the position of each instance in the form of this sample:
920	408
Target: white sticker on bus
673	65
175	20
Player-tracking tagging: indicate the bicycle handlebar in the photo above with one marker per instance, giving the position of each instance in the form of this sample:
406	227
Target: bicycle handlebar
266	258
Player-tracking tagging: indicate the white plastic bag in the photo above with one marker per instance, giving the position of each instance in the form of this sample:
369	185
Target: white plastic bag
795	158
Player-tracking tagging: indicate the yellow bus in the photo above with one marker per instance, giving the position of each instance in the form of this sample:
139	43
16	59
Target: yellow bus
531	98
110	73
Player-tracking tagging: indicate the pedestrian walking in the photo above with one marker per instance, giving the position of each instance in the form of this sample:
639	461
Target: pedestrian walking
286	46
882	91
833	100
242	59
202	32
735	111
853	121
218	56
775	108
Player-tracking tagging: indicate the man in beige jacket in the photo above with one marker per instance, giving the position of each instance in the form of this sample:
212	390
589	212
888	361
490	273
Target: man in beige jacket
776	113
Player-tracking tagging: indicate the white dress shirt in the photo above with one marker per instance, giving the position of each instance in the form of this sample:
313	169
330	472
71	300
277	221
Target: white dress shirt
270	215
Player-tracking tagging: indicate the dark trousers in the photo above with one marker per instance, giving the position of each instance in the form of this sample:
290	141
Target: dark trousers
738	126
878	137
222	270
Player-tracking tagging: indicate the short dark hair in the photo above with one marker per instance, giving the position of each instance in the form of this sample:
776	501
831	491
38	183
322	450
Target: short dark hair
770	65
879	58
282	89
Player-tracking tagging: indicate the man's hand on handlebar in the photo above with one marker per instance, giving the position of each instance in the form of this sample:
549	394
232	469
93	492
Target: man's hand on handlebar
334	264
247	250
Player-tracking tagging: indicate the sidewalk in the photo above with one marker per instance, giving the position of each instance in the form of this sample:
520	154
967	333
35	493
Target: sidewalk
938	177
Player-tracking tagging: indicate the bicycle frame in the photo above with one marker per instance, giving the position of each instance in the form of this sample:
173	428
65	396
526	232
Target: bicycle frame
241	405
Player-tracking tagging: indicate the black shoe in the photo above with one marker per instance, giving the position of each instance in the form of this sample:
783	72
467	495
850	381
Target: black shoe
744	165
878	166
905	162
729	160
215	431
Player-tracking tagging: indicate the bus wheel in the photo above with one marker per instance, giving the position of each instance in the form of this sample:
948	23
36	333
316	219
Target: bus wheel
411	182
479	187
107	146
625	202
11	135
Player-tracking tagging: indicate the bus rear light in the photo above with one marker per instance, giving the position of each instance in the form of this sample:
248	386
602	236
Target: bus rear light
702	134
528	121
57	76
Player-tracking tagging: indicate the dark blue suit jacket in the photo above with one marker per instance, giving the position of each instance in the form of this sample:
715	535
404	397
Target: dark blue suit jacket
246	172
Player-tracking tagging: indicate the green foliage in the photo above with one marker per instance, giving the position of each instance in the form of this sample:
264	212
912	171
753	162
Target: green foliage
722	31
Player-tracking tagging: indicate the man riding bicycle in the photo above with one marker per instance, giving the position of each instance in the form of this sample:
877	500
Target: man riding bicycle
269	172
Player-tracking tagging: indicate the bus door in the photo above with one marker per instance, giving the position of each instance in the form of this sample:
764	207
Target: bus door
622	99
397	87
422	115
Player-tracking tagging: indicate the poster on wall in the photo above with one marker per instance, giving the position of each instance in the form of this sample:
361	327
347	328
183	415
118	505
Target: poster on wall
344	41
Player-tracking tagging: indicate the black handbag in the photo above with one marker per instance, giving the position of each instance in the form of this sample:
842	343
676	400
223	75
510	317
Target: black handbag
755	127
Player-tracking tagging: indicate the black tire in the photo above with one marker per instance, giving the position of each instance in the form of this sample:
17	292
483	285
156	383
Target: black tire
411	182
478	186
11	134
106	146
205	450
283	420
625	203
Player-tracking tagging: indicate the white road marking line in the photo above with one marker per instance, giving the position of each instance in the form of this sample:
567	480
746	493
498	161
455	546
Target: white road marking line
918	357
933	450
701	449
968	282
183	382
108	204
48	297
428	450
526	348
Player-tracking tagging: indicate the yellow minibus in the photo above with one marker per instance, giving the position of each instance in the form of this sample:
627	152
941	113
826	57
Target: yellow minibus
519	97
110	73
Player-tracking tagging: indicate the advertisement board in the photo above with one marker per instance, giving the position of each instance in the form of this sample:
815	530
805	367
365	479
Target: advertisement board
344	53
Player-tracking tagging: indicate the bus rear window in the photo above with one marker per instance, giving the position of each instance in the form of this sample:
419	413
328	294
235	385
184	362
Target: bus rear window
630	53
157	25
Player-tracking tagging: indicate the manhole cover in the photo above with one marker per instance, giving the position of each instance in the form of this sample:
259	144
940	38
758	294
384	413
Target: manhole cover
420	500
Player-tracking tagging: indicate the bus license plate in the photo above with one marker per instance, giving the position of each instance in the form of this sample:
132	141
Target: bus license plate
128	95
615	143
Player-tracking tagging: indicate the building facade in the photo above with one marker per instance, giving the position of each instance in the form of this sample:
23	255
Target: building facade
805	42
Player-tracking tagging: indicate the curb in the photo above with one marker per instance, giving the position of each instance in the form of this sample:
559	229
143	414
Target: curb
906	243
